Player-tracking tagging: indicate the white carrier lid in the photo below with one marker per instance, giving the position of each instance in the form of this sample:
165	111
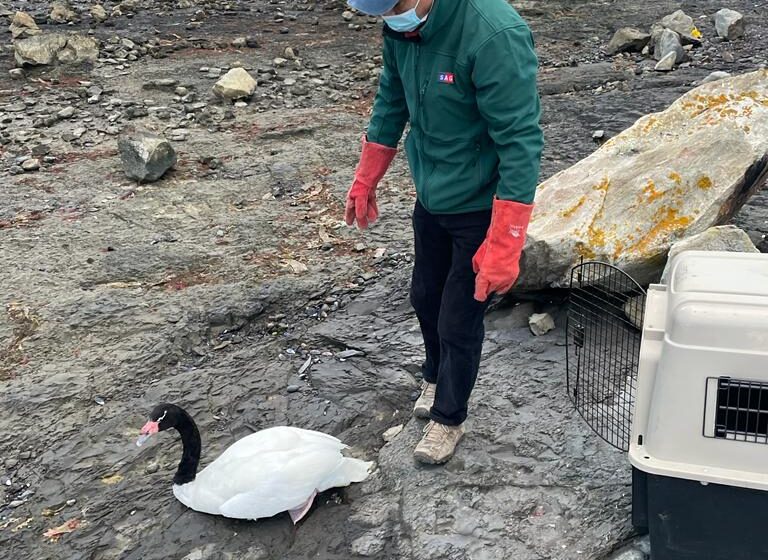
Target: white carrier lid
720	272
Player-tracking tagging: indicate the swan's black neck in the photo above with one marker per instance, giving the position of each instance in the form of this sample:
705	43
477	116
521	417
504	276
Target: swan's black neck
190	457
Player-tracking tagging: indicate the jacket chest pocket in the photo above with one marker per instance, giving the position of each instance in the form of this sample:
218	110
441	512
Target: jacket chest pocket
447	100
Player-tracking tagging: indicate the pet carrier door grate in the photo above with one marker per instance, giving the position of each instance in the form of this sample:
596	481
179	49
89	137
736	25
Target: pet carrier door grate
605	311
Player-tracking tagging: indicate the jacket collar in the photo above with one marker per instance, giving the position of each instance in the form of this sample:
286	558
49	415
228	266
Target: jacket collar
439	16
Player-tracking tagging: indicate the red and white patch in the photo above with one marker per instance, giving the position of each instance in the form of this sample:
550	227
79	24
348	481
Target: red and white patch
446	78
150	428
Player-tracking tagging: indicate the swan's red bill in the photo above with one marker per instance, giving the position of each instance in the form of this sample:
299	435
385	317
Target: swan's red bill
147	431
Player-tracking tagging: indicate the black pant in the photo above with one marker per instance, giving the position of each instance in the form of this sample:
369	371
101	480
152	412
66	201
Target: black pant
442	293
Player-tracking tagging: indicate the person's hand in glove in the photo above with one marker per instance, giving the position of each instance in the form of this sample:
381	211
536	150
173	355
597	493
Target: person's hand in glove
497	261
361	199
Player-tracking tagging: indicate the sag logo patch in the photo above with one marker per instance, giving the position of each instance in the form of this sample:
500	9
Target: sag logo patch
446	78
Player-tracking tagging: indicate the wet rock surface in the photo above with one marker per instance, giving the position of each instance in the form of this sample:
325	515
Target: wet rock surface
231	287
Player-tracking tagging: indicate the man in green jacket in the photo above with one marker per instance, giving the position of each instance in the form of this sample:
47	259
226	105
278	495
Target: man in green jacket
463	74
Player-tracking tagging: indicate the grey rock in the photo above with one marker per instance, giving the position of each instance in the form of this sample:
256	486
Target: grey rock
669	42
630	554
718	238
56	47
61	12
98	13
146	157
152	468
31	164
239	42
715	76
66	113
16	73
729	24
11	463
628	39
683	25
541	323
23	25
392	433
162	83
293	389
667	63
369	545
347	15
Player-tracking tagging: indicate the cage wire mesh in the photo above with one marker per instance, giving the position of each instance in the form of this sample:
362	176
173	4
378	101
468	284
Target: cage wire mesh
605	313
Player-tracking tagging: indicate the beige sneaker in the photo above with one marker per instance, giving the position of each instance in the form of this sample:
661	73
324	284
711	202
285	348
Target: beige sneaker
438	444
425	401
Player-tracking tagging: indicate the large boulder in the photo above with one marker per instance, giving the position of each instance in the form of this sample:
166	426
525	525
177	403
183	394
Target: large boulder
51	48
683	25
671	175
667	44
719	238
145	156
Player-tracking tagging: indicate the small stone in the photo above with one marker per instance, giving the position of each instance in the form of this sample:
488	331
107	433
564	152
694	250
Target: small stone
162	83
729	57
715	76
252	42
236	84
71	502
146	157
98	13
61	13
347	15
31	165
23	25
346	354
729	24
628	40
280	61
541	323
293	388
16	503
239	42
667	63
16	73
66	113
392	433
598	135
289	53
25	455
11	463
152	468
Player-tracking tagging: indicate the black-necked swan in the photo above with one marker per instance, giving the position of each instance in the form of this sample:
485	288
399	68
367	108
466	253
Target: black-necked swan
265	473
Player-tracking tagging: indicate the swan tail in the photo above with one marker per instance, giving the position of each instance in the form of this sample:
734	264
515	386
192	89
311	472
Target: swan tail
356	470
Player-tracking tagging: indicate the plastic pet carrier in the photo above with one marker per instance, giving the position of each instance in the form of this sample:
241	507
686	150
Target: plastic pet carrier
678	378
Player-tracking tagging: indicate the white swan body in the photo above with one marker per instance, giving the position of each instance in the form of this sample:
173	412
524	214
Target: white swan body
271	471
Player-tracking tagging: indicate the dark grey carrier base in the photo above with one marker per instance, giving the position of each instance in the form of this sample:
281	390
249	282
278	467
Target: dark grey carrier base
687	520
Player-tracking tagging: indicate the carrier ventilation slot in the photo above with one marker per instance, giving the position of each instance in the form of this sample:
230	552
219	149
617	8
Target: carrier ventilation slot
741	410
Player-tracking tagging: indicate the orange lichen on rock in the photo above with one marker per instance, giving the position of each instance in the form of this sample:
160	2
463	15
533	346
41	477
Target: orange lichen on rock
579	203
650	192
603	185
584	251
675	176
667	221
704	183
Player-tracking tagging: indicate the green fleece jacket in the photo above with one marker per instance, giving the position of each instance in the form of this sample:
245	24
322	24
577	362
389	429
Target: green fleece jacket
466	82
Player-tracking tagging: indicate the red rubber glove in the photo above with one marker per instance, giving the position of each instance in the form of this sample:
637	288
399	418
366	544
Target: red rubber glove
497	261
361	198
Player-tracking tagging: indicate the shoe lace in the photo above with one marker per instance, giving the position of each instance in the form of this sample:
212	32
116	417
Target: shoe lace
435	433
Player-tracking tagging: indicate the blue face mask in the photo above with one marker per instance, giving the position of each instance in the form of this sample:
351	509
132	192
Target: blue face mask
405	22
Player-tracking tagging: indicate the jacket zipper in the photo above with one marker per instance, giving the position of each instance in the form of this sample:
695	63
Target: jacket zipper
422	89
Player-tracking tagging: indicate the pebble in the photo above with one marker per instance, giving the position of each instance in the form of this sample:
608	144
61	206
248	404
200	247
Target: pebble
71	502
392	433
347	15
16	73
293	388
31	165
152	468
11	463
16	503
541	323
66	113
24	455
728	57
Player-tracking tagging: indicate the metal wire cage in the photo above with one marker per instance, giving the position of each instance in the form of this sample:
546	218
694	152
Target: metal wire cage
604	318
